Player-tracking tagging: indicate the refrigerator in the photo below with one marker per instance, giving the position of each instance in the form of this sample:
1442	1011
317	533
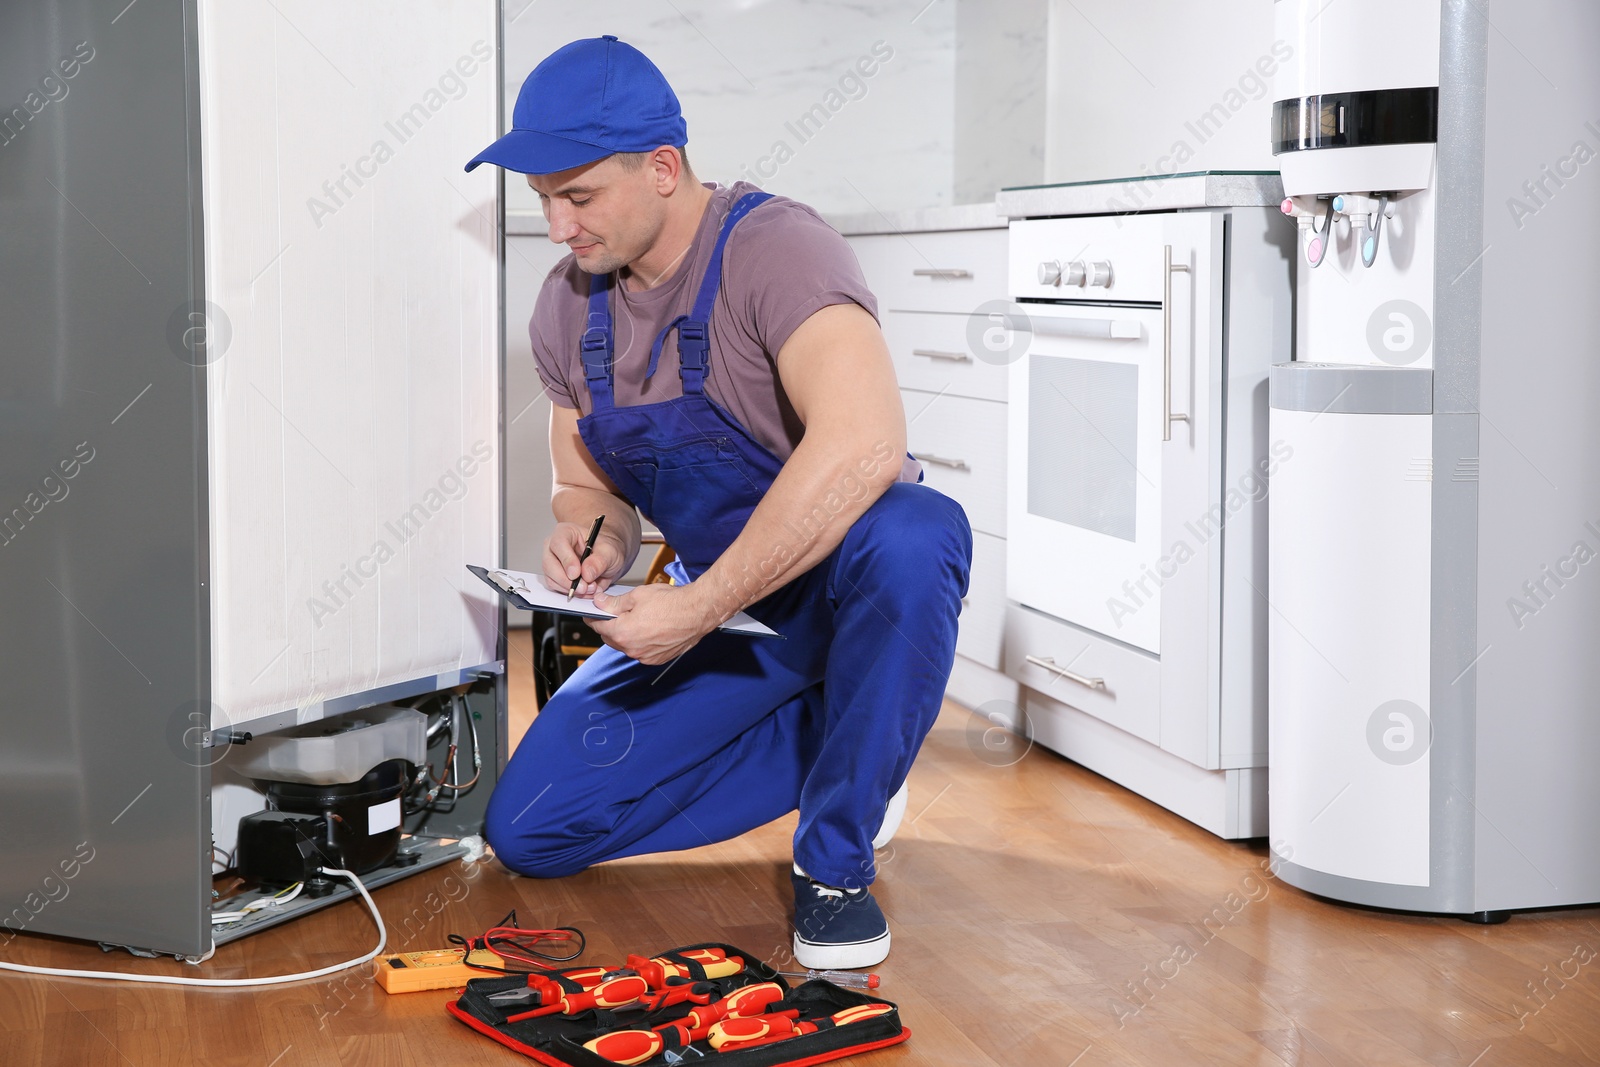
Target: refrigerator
251	416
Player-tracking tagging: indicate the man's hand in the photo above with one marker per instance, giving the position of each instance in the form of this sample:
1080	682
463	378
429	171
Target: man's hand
562	550
655	624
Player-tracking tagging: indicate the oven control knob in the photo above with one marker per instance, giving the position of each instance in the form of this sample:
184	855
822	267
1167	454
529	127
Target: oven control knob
1050	272
1099	273
1074	273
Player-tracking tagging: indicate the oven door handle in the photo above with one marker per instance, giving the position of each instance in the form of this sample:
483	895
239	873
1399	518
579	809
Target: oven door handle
1168	416
1062	326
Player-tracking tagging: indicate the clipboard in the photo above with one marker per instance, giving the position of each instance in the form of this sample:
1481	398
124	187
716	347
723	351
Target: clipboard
527	591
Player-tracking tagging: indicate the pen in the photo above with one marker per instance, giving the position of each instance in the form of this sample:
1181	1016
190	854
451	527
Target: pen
594	532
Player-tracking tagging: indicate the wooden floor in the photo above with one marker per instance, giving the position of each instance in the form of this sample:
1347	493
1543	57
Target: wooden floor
1041	915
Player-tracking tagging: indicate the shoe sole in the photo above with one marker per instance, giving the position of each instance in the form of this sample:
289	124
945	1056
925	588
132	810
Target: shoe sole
830	957
892	815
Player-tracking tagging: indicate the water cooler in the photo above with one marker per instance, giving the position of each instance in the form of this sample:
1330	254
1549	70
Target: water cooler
1433	676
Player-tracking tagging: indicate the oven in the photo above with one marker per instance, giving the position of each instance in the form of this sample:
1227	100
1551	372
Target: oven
1115	427
1138	456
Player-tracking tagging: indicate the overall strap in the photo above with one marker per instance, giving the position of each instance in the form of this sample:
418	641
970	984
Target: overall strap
597	346
694	329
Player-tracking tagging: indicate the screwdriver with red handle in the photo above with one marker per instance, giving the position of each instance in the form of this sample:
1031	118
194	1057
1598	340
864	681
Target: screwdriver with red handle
544	991
731	1035
848	979
657	971
755	1029
741	1003
637	1046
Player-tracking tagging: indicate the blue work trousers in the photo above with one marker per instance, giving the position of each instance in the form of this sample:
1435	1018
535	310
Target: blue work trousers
627	759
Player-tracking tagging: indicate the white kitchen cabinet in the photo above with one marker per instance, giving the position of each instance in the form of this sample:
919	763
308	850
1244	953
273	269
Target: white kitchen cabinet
961	444
940	279
952	271
982	634
934	352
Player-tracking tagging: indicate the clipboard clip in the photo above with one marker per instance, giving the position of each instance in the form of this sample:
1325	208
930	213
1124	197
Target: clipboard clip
506	583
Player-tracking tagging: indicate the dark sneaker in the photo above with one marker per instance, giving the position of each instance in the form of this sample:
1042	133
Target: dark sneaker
836	929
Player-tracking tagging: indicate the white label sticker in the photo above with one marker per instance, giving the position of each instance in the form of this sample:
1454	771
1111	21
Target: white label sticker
383	817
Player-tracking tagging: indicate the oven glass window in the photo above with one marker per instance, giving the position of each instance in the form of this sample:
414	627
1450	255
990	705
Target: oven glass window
1082	424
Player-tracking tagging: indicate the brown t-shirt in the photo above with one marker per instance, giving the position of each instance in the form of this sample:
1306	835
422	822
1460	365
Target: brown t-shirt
782	263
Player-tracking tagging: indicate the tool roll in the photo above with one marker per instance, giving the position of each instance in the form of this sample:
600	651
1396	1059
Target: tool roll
710	1002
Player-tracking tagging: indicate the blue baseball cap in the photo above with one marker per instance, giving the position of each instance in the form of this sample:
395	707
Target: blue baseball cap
588	100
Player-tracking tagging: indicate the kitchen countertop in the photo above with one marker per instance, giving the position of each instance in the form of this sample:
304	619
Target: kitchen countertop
913	220
1198	189
918	220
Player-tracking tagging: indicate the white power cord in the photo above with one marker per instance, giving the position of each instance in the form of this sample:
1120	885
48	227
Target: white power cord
235	983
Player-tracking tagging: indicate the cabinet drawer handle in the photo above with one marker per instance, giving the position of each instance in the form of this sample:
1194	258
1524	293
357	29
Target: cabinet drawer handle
941	272
1049	664
934	353
928	457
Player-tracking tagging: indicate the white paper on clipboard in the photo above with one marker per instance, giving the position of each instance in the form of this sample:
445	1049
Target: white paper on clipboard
528	591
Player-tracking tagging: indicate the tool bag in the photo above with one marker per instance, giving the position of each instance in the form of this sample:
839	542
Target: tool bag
867	1023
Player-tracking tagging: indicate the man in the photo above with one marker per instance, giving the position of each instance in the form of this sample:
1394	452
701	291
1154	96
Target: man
714	362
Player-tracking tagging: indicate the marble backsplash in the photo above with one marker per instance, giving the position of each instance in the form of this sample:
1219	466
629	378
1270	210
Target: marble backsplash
860	108
846	106
1158	88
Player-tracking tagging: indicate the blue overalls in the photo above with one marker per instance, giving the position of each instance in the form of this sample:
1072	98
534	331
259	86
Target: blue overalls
628	759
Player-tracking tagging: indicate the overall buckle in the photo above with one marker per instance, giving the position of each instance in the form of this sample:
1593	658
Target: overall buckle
694	348
595	351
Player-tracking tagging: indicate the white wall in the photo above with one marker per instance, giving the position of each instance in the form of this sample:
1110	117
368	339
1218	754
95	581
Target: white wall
746	70
1130	84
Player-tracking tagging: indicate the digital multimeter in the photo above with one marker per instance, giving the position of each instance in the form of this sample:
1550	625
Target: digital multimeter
440	968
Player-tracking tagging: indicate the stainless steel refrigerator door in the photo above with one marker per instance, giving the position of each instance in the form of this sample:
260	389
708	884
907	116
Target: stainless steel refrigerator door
104	644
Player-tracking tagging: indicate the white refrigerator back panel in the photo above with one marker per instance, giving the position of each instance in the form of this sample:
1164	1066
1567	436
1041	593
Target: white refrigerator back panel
352	272
1350	644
